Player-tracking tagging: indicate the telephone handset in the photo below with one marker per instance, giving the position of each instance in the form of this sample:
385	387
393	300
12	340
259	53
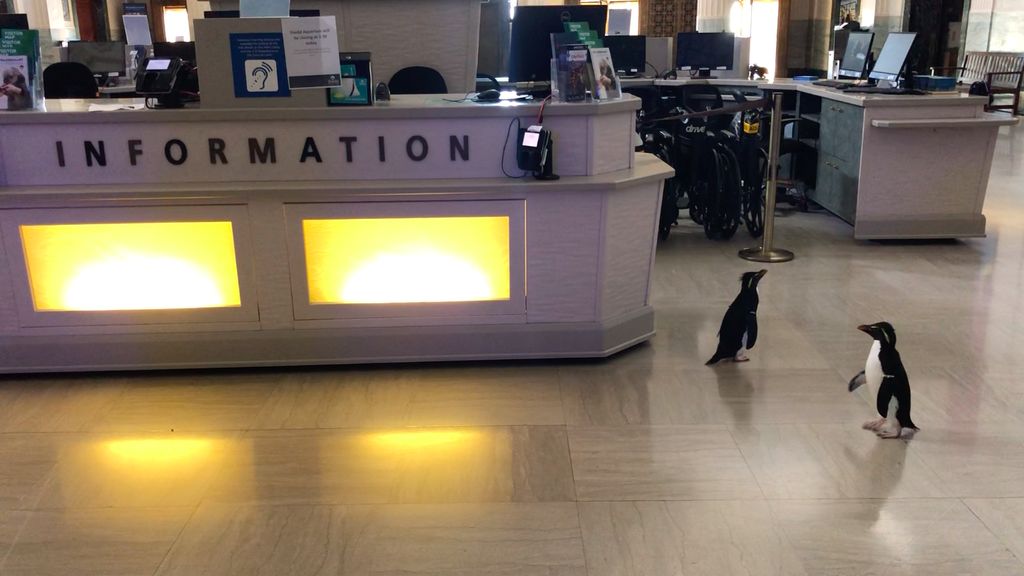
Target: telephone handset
161	78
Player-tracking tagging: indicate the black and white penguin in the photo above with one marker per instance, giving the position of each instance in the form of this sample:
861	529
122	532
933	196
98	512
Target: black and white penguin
739	326
884	374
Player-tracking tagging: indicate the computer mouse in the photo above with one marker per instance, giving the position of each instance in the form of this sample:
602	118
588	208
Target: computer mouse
491	95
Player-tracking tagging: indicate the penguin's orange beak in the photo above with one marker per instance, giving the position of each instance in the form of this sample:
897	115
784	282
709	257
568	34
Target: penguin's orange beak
864	328
761	273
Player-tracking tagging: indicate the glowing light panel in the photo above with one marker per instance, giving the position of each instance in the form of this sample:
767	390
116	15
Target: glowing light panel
131	266
406	260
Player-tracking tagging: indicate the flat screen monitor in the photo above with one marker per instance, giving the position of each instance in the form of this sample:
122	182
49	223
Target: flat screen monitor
183	50
308	13
855	57
99	57
629	53
893	56
704	50
14	21
532	26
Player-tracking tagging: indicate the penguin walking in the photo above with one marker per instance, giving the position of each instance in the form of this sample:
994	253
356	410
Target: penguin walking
739	325
884	373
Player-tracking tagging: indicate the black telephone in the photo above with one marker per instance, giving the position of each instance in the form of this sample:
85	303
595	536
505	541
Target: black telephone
162	78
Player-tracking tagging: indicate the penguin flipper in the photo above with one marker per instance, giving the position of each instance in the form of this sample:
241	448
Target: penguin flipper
751	330
857	381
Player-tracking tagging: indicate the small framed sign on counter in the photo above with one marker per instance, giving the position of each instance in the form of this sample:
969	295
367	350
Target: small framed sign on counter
356	81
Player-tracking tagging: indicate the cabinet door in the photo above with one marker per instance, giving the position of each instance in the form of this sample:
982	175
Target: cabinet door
848	126
836	189
844	184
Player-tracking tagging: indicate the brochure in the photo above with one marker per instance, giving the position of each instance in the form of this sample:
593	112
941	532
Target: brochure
606	83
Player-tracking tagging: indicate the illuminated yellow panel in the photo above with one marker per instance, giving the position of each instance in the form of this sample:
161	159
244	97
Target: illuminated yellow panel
392	260
136	266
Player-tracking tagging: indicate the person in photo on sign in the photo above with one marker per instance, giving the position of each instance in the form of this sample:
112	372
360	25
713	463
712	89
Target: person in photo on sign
15	87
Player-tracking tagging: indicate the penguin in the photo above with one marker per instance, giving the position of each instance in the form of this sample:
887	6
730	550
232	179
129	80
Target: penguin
884	373
739	326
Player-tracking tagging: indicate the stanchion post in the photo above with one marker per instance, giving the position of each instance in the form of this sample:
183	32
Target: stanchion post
766	252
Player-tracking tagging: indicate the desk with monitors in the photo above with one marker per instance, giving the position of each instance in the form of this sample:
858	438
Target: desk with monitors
892	166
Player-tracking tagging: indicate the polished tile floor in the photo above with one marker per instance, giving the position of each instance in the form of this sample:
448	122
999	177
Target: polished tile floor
645	464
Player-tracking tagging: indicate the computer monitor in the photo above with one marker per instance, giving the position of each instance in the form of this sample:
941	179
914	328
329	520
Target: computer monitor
530	51
14	21
629	53
183	50
855	57
100	57
705	51
893	56
305	13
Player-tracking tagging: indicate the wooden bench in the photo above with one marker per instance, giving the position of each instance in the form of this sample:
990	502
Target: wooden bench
1002	72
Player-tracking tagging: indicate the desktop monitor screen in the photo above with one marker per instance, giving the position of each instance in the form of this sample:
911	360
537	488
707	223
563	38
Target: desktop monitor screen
304	13
855	58
704	50
628	53
183	50
14	21
894	56
100	57
530	52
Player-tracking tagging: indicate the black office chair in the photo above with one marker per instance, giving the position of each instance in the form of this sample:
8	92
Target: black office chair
69	80
417	80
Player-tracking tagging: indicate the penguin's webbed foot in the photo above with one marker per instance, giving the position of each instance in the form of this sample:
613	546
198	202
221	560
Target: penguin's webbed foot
741	357
874	425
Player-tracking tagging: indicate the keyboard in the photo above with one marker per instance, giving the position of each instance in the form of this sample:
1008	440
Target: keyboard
833	83
878	90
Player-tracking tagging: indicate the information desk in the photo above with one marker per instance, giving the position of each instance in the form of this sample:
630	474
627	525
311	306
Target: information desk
183	238
893	166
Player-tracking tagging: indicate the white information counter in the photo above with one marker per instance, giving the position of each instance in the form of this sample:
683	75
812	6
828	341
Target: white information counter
187	238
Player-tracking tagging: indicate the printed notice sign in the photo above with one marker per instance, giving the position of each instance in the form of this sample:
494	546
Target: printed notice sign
311	51
258	65
136	30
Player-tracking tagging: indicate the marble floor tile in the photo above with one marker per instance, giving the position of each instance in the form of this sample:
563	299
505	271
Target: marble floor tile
11	524
471	395
834	461
689	336
101	541
724	538
980	460
190	401
937	537
437	539
401	465
732	394
659	463
1004	517
139	470
57	404
26	464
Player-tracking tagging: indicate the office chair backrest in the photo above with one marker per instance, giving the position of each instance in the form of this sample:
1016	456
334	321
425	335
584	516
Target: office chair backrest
417	80
486	82
69	80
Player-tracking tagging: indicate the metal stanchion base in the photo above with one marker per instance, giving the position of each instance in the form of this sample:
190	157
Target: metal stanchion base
757	255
